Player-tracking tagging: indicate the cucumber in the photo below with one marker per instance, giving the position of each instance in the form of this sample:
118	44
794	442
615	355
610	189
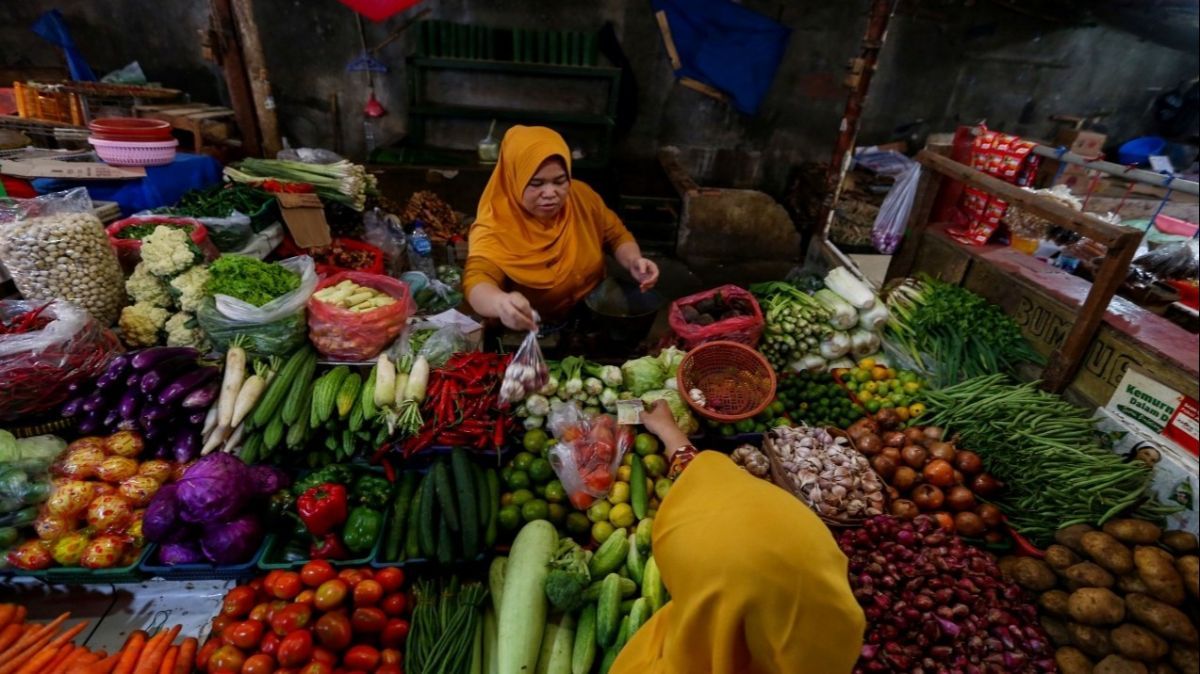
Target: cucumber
522	616
645	534
251	447
273	433
493	498
318	390
610	555
428	518
367	397
628	589
412	540
622	634
445	494
638	615
583	653
324	403
652	587
627	606
608	610
481	493
347	393
634	561
464	483
298	431
557	641
266	408
400	505
610	656
297	393
638	498
445	542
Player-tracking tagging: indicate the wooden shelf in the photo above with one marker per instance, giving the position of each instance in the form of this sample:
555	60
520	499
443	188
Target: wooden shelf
516	67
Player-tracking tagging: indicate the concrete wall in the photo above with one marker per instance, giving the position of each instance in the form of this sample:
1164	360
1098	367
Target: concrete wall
940	67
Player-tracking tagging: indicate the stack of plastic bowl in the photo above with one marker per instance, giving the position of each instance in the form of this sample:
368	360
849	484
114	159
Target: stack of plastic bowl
132	141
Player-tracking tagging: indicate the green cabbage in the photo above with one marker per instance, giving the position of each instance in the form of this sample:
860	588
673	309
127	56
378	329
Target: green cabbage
643	374
670	358
679	409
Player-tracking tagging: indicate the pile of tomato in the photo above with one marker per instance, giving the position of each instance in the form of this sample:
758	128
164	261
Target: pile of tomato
318	620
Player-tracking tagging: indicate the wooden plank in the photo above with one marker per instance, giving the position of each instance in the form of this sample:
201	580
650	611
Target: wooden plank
260	82
703	88
234	67
665	28
1054	211
212	113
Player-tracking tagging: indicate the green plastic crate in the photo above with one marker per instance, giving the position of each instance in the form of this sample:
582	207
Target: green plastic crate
271	558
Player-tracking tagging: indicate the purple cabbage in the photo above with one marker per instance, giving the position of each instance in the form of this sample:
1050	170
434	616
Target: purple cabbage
214	489
162	515
267	480
232	542
187	552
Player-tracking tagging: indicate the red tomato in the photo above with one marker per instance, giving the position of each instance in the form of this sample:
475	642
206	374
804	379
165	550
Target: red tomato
391	578
246	635
368	593
269	644
361	657
226	657
333	631
316	572
255	584
306	596
317	668
287	585
287	670
368	619
331	594
220	623
324	655
295	649
261	612
395	605
268	581
352	576
238	602
394	633
259	663
291	618
391	656
390	669
275	607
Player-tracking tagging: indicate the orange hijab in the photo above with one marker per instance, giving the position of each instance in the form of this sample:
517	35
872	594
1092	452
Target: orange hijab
532	253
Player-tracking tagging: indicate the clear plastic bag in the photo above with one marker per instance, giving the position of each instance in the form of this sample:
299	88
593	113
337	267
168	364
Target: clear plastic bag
37	368
229	233
1172	261
386	232
54	248
348	335
274	329
526	372
893	214
588	453
432	296
438	337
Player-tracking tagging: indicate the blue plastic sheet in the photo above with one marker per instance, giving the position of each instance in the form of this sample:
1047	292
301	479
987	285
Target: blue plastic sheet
51	27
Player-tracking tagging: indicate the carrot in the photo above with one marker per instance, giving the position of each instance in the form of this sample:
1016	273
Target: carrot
64	653
130	652
42	658
187	656
168	663
7	612
34	641
38	659
76	654
152	657
102	666
9	636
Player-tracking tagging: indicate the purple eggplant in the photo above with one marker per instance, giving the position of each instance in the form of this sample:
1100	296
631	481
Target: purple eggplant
186	446
90	424
164	371
149	358
128	406
93	402
197	418
132	381
115	373
203	396
155	432
154	414
111	419
186	383
73	406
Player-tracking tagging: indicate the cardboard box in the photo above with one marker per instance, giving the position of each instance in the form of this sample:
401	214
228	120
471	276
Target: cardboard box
1176	474
1085	143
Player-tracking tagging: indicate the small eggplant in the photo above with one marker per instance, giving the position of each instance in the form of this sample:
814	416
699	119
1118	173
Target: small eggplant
128	406
149	358
197	418
93	402
73	407
186	445
203	396
115	373
90	424
132	381
111	419
186	383
155	377
154	433
154	414
119	364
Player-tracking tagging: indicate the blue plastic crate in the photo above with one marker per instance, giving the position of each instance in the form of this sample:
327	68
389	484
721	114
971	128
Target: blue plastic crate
152	568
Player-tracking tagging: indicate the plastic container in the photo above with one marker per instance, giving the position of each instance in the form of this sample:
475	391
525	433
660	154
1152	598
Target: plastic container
126	153
735	379
134	129
420	252
1139	150
154	569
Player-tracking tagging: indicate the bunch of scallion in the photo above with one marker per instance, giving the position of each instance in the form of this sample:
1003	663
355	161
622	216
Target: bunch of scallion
343	181
952	333
1057	469
446	629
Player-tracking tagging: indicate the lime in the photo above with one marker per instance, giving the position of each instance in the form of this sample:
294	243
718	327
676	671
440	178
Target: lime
521	496
537	509
522	460
727	430
619	494
911	387
540	471
656	465
627	459
745	426
540	490
777	408
505	473
555	492
556	513
534	441
598	512
621	515
518	479
601	531
645	444
661	487
577	522
509	517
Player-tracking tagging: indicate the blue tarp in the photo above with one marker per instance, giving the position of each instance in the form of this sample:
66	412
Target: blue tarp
51	27
162	186
726	46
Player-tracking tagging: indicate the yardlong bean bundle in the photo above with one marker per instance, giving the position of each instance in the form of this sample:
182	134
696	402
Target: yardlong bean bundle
1048	453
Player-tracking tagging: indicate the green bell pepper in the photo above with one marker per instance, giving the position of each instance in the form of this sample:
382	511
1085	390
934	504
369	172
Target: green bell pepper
336	473
362	529
372	491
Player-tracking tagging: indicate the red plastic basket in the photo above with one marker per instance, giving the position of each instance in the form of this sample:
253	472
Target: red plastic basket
737	382
133	129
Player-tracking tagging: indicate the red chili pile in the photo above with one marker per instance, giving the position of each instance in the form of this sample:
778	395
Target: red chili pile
936	604
461	407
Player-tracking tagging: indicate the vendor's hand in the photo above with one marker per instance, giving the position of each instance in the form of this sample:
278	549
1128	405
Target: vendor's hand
515	313
645	272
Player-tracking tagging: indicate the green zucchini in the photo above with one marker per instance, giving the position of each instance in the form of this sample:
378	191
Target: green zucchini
412	537
445	494
445	542
297	393
635	562
428	518
464	482
610	555
273	433
628	589
608	610
493	498
324	403
251	447
266	408
645	534
347	393
583	653
638	498
298	431
610	656
400	505
496	572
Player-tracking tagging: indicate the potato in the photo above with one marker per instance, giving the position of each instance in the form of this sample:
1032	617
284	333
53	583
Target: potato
1060	557
1054	602
1167	620
1072	661
1115	664
1070	536
1181	541
1056	630
1033	574
1088	574
1138	643
1133	531
1131	583
1107	552
1095	606
1091	640
1162	668
1184	659
1007	565
1189	570
1156	568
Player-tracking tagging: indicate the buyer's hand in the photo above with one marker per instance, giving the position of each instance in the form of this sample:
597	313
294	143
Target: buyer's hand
515	313
645	272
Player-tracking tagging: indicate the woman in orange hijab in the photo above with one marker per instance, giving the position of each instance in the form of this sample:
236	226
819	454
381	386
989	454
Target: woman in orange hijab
757	583
539	236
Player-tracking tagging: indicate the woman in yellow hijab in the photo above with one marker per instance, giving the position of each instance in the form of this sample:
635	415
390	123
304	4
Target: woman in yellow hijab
539	236
757	583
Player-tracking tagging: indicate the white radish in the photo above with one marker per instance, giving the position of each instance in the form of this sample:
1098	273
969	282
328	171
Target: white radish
234	441
401	389
247	398
210	422
235	374
418	380
385	381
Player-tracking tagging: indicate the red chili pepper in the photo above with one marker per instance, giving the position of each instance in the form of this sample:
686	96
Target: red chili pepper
498	438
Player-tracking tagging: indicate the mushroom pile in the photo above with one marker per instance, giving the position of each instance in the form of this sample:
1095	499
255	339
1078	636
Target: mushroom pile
826	472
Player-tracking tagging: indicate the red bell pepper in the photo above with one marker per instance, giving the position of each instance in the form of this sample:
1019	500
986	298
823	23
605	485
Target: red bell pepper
323	508
329	546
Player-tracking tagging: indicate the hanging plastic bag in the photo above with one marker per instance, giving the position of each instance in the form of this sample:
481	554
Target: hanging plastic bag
893	214
274	329
386	232
229	233
346	334
588	453
743	324
526	372
1165	263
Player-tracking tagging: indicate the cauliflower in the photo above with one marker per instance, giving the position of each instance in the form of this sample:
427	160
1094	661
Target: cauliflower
189	287
140	324
169	250
182	330
145	287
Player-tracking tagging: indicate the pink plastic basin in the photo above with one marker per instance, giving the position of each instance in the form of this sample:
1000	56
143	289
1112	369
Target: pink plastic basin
130	153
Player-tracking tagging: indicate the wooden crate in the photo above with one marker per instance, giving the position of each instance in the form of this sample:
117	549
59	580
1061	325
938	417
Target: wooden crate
48	103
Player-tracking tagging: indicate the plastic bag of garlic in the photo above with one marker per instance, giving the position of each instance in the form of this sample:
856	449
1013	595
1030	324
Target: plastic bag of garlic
826	472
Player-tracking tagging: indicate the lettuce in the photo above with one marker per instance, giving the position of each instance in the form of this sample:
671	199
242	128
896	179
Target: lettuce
670	358
643	374
679	409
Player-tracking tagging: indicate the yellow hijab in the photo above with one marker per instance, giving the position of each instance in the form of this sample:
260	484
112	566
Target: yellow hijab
757	583
532	253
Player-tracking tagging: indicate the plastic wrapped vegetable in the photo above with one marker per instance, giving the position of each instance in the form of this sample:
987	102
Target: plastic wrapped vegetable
526	373
588	454
679	408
